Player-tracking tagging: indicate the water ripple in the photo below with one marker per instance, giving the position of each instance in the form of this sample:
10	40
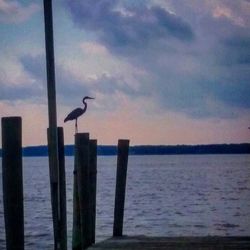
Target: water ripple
166	195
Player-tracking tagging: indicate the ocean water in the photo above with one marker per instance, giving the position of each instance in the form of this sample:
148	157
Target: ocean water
169	195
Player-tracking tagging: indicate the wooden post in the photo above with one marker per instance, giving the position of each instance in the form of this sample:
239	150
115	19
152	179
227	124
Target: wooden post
13	182
52	134
84	197
82	160
62	188
121	175
92	181
54	191
76	230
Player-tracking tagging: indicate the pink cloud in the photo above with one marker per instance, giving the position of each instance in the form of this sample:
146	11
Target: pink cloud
14	12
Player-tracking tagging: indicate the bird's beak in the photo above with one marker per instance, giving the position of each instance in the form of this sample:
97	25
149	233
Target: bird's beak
91	98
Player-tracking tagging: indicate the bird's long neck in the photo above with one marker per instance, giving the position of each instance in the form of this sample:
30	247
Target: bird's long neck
85	105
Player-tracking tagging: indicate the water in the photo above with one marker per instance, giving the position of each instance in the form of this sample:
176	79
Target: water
187	195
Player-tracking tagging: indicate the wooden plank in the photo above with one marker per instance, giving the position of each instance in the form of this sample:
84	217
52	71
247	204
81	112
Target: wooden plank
173	243
13	182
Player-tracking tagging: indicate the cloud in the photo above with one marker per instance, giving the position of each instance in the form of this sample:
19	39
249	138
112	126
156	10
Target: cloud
237	48
195	53
147	52
70	88
67	86
123	29
14	12
16	83
15	93
225	12
93	48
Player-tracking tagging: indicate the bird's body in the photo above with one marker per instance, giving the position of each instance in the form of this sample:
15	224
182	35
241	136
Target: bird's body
73	115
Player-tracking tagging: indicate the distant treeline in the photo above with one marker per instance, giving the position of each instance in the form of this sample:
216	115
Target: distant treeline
243	148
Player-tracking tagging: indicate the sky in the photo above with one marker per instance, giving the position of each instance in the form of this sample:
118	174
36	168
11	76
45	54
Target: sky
161	71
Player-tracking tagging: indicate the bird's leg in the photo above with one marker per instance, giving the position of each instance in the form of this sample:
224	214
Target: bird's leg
76	130
75	127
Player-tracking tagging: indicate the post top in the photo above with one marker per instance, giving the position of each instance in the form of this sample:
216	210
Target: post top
11	118
84	136
123	141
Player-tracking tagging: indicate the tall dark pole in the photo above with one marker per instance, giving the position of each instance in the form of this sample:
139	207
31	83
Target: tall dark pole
52	131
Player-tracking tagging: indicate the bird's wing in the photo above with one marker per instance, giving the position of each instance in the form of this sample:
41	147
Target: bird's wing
74	114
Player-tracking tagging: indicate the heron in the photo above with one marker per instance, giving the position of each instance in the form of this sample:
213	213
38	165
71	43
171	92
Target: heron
73	115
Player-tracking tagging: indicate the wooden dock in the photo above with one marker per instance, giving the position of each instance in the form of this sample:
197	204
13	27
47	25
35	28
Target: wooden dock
173	243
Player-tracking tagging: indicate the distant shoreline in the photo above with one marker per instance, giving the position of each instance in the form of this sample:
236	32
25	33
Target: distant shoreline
242	148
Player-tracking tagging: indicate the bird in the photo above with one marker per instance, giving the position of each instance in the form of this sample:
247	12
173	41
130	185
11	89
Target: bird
73	115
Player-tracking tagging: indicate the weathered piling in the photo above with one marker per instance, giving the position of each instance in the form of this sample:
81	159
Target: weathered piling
13	182
93	182
121	175
76	230
62	192
54	190
82	161
52	133
84	197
